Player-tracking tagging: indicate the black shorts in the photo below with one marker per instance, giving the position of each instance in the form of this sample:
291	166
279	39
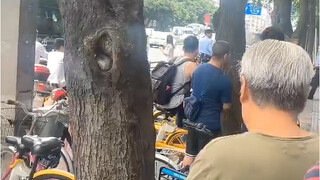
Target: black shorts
204	58
197	140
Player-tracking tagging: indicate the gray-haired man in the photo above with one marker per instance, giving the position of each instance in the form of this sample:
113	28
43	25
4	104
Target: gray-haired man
275	79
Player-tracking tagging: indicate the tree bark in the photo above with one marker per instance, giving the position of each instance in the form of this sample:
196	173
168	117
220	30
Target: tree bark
301	23
281	16
109	89
231	28
305	32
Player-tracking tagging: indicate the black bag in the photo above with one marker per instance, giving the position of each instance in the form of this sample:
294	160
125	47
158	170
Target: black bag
192	108
162	77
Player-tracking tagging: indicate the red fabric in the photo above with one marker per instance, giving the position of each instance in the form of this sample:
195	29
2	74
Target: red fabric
57	94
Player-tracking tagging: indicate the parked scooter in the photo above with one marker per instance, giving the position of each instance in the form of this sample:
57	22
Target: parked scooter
55	95
41	88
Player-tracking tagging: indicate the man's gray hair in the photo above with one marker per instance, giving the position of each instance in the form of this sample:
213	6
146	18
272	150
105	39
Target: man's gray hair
278	73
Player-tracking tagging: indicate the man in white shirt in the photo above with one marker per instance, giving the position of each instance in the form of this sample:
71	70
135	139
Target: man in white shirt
55	64
40	53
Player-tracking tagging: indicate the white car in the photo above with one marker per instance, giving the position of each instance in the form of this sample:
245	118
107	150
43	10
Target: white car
159	38
185	33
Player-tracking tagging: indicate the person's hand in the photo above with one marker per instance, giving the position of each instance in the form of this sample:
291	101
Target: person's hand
161	48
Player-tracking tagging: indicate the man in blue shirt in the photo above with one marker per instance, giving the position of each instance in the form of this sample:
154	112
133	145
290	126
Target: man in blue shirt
205	46
212	87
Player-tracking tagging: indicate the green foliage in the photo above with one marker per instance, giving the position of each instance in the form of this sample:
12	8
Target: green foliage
295	13
169	13
160	11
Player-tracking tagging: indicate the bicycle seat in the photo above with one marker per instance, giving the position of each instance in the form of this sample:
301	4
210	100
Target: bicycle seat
167	112
42	146
12	140
16	142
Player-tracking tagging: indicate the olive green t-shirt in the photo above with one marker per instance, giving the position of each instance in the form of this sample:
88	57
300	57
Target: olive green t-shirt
253	156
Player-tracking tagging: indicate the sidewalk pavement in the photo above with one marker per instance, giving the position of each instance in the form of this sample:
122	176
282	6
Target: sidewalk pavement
309	118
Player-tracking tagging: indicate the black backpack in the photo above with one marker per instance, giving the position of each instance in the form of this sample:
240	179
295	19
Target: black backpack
162	77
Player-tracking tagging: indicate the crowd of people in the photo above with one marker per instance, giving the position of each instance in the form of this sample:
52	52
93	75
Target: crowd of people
275	83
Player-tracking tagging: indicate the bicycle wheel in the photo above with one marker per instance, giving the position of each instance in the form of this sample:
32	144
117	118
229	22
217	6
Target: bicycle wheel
158	116
6	158
177	138
162	161
53	174
65	162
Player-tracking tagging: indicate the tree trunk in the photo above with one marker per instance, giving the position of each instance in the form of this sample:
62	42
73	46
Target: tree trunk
281	16
305	32
297	34
231	28
109	89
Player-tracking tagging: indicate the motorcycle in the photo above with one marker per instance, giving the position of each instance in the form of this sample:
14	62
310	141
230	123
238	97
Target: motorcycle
55	95
41	88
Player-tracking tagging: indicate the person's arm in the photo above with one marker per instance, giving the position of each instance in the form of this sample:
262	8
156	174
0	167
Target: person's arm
226	106
203	167
210	44
166	50
189	68
42	51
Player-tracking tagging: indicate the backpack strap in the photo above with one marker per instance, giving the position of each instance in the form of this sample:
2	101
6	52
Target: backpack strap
182	61
179	89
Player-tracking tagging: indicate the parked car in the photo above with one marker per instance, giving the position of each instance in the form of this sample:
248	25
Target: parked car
182	33
158	39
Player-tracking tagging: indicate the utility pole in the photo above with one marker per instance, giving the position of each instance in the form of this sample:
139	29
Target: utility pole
18	37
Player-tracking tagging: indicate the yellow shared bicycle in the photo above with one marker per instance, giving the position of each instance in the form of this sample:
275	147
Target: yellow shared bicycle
168	135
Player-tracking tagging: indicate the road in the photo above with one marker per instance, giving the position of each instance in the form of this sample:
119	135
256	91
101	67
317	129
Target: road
155	55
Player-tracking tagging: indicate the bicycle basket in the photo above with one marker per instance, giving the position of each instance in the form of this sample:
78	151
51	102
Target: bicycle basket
51	125
11	116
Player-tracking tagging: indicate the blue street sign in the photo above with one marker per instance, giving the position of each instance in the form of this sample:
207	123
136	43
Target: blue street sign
252	9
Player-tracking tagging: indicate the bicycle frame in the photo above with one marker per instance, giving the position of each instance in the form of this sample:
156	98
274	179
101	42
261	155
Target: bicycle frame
17	160
19	164
31	172
161	145
9	169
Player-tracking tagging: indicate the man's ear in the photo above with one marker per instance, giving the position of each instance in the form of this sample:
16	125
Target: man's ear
226	57
244	91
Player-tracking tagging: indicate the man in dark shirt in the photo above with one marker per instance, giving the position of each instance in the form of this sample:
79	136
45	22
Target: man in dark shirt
212	87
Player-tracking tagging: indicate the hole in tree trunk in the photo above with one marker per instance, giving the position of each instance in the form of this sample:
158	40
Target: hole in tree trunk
103	52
